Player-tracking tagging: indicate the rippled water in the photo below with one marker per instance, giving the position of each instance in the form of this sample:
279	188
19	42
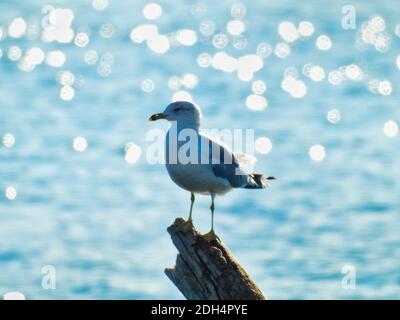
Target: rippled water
101	221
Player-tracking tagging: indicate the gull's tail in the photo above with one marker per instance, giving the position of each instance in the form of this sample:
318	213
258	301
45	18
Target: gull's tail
257	181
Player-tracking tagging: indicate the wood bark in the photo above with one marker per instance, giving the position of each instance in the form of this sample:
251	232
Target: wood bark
207	270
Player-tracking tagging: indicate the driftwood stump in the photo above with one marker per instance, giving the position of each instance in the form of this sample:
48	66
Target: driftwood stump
207	270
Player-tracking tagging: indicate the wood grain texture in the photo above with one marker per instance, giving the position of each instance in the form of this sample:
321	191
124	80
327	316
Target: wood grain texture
207	270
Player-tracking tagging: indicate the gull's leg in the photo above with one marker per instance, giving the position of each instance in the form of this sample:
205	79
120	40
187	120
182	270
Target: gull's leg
191	206
211	234
188	225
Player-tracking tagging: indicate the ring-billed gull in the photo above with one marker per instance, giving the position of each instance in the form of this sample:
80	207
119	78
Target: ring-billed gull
200	164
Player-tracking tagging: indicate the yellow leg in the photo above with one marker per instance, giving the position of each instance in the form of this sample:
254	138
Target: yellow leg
188	225
211	235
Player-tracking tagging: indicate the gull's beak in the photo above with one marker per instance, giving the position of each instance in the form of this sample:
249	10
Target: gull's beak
156	116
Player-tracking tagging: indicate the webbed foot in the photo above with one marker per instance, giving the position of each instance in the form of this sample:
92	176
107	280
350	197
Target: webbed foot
186	226
211	236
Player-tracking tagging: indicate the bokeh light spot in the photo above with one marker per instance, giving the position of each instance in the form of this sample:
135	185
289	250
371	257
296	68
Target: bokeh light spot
8	140
391	128
67	93
256	102
55	58
324	43
152	11
147	85
132	152
333	116
317	153
79	144
263	145
10	193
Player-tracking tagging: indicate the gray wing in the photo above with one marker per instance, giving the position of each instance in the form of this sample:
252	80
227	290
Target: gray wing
225	165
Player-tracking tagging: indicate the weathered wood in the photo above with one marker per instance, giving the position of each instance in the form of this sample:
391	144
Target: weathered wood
207	270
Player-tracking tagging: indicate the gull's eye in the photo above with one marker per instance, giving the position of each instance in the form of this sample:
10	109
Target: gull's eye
178	109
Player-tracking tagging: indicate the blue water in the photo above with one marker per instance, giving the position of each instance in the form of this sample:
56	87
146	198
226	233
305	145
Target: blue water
102	222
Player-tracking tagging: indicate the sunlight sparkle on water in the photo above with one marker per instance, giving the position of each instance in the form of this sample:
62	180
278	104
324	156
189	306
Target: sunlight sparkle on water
296	88
147	85
288	31
317	153
81	39
235	27
107	30
3	33
239	42
132	152
17	28
385	88
220	41
391	128
13	295
224	62
204	60
353	72
373	32
104	69
306	28
335	77
282	50
67	93
182	96
238	10
79	144
256	102
8	140
190	80
258	87
174	83
159	44
91	57
152	11
10	193
99	4
14	53
55	58
144	32
323	43
186	37
264	50
207	28
333	116
35	55
291	72
58	28
66	78
317	73
263	145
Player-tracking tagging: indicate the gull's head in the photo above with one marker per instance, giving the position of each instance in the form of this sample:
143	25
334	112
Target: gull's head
181	112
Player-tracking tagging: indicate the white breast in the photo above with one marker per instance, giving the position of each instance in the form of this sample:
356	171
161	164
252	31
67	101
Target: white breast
198	178
194	177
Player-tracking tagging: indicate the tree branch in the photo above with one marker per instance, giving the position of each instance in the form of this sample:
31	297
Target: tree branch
207	270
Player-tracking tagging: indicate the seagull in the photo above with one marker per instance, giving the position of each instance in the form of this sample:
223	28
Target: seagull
199	163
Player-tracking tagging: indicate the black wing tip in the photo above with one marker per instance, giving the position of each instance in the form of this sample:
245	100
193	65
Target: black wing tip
259	181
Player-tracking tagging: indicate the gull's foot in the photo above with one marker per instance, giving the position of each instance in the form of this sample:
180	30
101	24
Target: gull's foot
211	236
186	226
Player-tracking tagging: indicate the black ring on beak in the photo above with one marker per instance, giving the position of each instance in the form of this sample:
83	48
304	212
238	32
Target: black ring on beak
156	116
